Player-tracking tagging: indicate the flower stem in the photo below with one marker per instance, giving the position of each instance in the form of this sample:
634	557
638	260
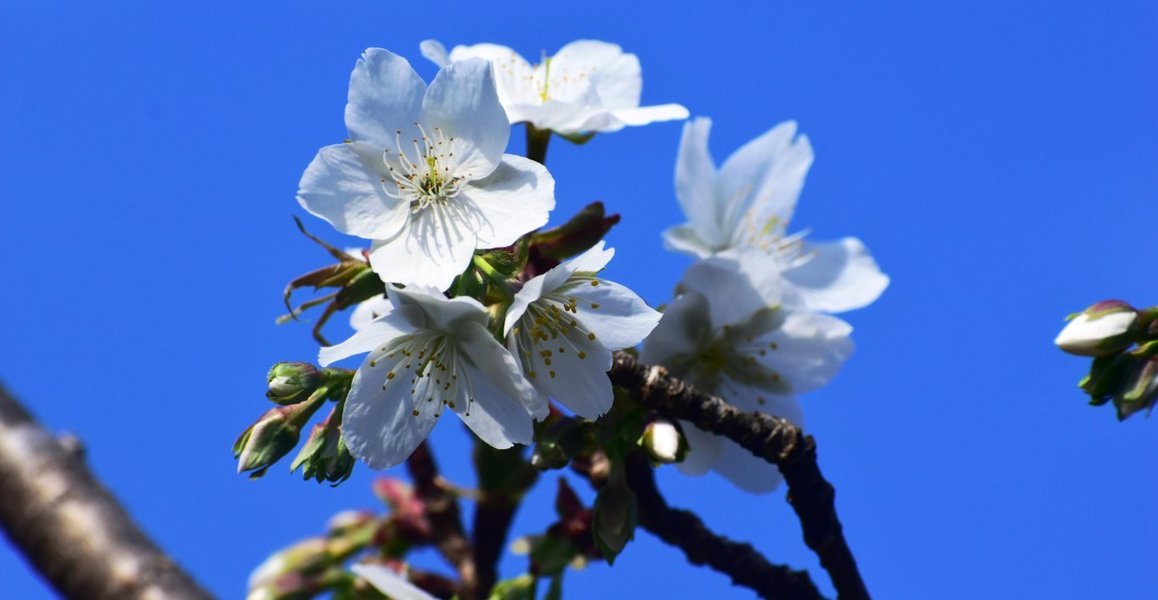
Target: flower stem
537	140
498	279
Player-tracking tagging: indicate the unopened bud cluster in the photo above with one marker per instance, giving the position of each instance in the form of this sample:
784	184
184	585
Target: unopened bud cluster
1123	341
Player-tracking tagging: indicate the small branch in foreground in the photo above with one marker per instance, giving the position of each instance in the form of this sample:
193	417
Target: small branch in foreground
771	438
70	527
684	530
443	512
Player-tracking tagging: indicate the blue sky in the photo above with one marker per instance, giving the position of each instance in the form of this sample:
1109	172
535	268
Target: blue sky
998	159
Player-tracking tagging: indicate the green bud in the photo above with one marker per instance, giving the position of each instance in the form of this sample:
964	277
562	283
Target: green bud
273	436
292	382
324	456
1140	390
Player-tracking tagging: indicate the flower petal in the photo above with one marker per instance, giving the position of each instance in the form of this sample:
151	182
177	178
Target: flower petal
463	103
501	368
379	424
743	469
395	322
592	260
764	176
390	583
340	188
703	449
695	184
513	74
434	249
368	310
441	313
683	326
683	238
809	349
618	81
840	276
574	372
643	115
616	316
735	286
435	52
516	198
385	94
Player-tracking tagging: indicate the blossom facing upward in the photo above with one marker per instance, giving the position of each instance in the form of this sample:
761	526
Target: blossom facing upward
564	325
748	203
587	86
727	334
423	173
426	354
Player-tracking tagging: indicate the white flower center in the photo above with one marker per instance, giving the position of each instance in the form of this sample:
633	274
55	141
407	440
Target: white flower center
428	179
429	362
738	353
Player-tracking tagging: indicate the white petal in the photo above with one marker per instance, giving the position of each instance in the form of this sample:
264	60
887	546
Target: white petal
617	316
501	368
513	74
743	469
683	326
703	449
385	94
515	199
379	425
368	310
432	250
735	286
390	583
439	312
591	260
765	176
435	52
683	238
810	349
1084	335
695	184
340	188
556	115
618	81
839	276
390	325
575	372
643	115
463	103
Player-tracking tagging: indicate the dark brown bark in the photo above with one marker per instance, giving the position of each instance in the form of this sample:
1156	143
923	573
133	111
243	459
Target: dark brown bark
684	530
771	438
445	518
70	528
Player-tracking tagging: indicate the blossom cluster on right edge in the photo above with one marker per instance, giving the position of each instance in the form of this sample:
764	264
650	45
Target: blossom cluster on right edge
749	319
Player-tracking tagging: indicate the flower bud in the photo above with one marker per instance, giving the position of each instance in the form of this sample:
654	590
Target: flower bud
663	441
1101	330
1141	388
292	382
324	456
272	436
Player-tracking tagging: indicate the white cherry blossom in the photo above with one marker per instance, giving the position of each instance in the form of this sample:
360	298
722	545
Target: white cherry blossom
747	204
587	86
564	325
390	583
427	354
423	173
727	334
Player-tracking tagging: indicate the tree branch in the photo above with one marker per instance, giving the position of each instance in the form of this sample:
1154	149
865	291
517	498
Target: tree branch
771	438
72	530
684	530
443	512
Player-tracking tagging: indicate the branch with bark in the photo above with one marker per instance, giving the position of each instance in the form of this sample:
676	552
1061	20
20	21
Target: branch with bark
771	438
72	530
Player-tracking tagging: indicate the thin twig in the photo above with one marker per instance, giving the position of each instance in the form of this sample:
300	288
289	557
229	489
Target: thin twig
771	438
443	512
684	530
69	526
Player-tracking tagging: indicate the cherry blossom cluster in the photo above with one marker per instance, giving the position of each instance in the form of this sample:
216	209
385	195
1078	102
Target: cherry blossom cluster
463	320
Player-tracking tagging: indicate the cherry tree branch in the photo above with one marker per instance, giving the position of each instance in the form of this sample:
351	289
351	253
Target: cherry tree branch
771	438
443	512
72	530
684	530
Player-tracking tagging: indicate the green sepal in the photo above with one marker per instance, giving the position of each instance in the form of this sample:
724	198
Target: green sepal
616	514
